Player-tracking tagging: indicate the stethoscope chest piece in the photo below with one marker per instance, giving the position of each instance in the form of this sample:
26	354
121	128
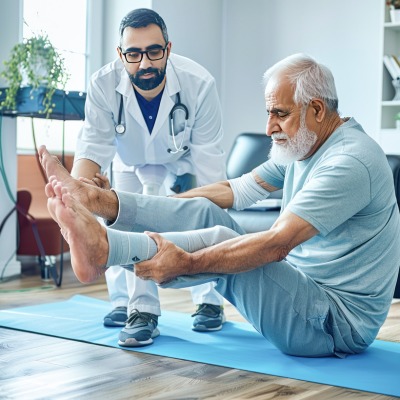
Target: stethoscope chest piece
120	129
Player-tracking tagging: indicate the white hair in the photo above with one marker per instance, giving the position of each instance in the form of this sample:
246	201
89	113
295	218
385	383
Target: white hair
309	79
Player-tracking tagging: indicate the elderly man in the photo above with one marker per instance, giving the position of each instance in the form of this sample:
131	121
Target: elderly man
320	281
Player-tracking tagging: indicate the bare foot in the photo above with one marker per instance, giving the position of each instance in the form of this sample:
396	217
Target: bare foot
55	170
86	237
103	203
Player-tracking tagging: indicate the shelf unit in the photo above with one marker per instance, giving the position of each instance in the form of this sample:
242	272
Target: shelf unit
391	45
389	135
67	106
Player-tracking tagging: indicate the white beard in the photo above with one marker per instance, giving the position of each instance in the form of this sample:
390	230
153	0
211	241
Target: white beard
295	148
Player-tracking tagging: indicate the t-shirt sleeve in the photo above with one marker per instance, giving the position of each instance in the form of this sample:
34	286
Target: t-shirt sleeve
334	193
271	173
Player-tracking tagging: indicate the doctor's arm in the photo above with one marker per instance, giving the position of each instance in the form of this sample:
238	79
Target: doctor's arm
206	136
95	145
85	168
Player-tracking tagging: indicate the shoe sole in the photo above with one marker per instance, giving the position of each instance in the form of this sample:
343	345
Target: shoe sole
203	328
132	342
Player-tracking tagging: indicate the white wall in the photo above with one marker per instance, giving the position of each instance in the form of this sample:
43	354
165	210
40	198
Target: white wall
247	47
237	40
114	11
344	35
195	30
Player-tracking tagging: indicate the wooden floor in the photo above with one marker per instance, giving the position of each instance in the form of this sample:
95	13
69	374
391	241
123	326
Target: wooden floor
41	367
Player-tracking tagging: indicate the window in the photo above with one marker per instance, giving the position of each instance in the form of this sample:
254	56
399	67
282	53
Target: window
65	24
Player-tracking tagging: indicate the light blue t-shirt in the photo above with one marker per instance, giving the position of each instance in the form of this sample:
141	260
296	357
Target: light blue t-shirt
345	190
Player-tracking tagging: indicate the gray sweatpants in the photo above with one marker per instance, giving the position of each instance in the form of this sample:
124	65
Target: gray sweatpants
282	303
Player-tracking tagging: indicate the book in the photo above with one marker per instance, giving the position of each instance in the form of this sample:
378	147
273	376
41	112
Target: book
392	66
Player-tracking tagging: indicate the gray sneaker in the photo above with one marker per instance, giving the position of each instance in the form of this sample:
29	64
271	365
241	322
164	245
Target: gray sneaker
140	330
116	317
209	317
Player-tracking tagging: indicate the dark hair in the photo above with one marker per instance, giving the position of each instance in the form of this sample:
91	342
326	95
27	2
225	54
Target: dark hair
142	17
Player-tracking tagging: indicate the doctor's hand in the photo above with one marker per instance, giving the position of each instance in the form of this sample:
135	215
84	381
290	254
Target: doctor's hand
183	183
99	180
169	262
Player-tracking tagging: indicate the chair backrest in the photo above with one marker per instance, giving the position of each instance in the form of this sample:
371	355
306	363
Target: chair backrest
394	162
248	151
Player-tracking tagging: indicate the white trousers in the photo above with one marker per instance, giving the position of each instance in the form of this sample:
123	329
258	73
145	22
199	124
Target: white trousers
126	289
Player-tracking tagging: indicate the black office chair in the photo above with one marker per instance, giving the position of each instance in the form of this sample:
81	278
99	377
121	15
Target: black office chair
248	151
394	162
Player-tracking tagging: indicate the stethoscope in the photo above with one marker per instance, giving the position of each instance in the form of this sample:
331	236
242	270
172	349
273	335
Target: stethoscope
120	128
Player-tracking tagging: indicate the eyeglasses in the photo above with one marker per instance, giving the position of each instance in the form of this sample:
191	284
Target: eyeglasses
134	57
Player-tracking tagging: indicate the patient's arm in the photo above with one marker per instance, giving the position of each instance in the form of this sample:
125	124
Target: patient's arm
222	194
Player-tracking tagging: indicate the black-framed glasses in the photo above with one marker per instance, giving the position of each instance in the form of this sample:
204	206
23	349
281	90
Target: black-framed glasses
134	57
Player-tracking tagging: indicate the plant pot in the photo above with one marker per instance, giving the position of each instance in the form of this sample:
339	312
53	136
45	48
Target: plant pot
40	71
395	15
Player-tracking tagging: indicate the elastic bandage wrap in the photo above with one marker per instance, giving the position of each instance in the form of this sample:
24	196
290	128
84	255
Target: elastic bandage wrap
246	191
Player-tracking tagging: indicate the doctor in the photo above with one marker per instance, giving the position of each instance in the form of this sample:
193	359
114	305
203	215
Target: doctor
158	116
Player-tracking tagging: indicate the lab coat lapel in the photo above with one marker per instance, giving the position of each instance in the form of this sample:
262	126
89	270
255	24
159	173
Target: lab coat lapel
172	87
131	105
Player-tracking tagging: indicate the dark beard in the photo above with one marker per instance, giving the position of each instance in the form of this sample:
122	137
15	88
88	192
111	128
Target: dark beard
148	84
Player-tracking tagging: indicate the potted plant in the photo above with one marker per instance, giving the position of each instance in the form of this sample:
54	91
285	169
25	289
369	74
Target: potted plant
394	9
34	63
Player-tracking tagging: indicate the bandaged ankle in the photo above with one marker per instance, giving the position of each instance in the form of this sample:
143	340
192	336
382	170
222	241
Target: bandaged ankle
246	191
127	248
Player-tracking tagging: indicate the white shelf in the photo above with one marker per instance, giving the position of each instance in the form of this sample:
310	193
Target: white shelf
390	131
390	103
392	25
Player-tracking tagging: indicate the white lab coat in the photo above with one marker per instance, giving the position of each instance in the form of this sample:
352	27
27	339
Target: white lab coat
136	148
99	142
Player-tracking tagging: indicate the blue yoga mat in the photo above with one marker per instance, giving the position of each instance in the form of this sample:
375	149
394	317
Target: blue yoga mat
237	345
